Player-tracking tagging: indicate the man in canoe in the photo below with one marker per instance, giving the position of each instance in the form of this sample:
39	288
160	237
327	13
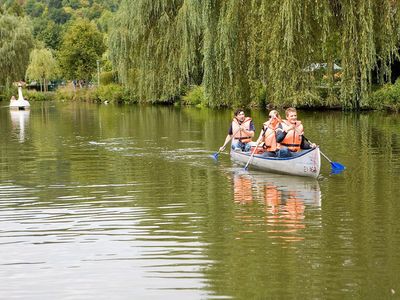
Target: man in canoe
241	132
291	135
268	134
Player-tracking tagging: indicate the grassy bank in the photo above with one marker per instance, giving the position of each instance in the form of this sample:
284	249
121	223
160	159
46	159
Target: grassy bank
385	98
112	93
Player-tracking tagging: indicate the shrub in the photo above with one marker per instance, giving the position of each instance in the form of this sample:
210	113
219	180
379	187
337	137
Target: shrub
387	97
38	96
195	96
107	78
69	94
112	93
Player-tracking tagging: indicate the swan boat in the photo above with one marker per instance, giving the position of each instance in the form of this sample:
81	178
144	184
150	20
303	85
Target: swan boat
21	103
305	163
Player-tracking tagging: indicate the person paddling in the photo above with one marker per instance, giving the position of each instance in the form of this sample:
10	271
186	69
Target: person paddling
290	135
268	134
241	132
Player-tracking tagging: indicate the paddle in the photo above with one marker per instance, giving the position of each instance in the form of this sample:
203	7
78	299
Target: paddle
336	167
215	155
252	154
258	143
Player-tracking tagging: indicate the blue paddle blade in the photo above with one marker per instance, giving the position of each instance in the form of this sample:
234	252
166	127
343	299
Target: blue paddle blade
337	167
215	155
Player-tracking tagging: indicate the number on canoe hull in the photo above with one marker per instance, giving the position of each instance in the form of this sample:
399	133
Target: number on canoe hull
310	169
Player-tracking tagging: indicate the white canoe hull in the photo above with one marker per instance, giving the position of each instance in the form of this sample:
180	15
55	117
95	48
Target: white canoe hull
307	163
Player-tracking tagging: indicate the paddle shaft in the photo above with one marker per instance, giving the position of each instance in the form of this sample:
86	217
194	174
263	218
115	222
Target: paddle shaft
335	165
258	142
327	158
226	142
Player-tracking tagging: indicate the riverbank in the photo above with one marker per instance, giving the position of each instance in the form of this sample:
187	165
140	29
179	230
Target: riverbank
386	98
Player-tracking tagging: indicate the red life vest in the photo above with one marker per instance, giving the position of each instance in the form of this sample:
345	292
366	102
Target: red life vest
237	134
292	139
270	143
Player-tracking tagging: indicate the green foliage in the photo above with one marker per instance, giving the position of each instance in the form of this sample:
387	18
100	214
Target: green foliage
107	78
113	93
161	47
58	15
82	46
195	96
42	66
385	98
38	96
16	9
50	18
7	92
155	47
258	94
49	32
70	94
15	44
34	9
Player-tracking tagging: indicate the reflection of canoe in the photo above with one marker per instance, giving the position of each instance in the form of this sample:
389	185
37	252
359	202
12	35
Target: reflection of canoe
306	163
305	188
285	198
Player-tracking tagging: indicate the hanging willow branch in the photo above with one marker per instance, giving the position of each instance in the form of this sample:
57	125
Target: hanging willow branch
155	46
161	47
16	42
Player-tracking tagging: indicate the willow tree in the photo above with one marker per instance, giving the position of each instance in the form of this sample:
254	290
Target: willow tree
16	42
370	41
156	46
159	47
42	67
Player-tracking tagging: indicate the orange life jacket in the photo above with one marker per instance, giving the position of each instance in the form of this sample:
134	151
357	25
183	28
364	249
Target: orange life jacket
292	139
237	134
270	143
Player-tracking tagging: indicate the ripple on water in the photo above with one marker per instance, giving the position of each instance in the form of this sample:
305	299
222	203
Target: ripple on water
73	232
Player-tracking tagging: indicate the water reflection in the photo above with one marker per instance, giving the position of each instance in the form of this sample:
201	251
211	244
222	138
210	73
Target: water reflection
19	119
123	202
284	199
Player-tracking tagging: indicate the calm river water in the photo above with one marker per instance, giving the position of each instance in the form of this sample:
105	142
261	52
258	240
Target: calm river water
124	202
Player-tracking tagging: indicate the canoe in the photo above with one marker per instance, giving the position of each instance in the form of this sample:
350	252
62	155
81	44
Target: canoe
306	163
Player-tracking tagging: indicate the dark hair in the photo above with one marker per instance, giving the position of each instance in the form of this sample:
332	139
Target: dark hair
238	111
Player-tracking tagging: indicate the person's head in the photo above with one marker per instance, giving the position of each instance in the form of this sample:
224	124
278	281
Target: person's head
13	98
239	114
273	113
291	114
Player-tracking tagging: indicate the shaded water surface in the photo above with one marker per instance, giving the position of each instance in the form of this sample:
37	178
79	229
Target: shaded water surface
108	202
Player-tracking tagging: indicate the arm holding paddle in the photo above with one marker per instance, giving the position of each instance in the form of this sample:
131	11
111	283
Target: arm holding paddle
222	148
227	139
244	132
273	116
237	125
